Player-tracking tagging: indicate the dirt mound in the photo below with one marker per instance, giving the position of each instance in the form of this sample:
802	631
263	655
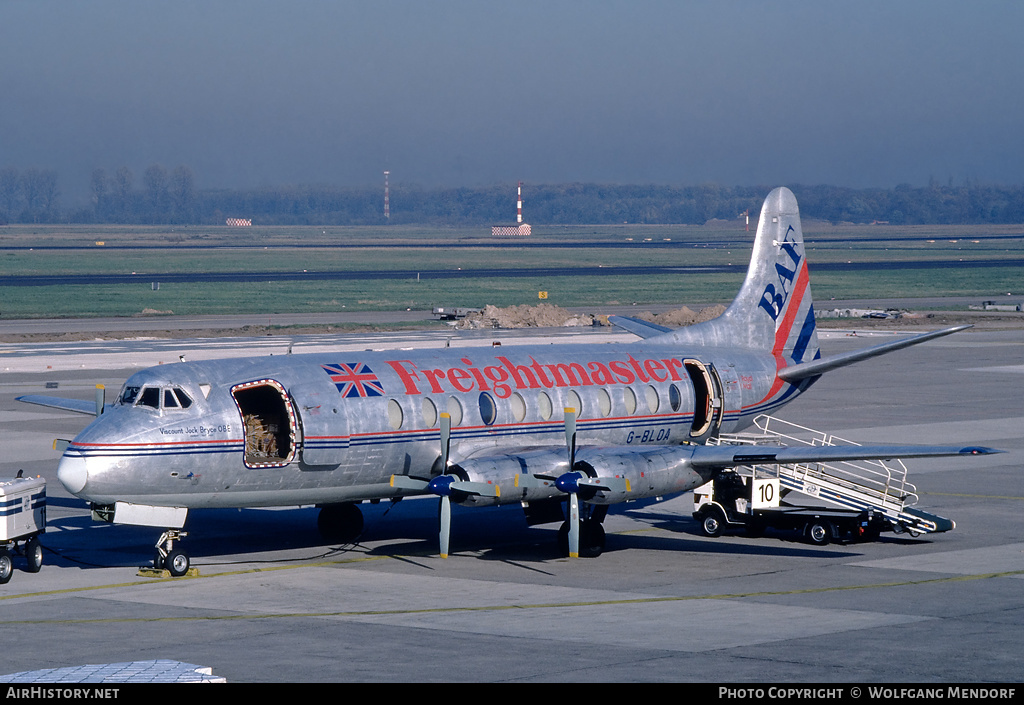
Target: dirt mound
549	316
684	316
540	316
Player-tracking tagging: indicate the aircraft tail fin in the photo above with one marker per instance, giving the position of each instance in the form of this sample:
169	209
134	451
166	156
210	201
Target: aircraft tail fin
773	310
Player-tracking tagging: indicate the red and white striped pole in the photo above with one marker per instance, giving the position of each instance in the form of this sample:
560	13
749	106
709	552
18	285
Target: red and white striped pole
519	204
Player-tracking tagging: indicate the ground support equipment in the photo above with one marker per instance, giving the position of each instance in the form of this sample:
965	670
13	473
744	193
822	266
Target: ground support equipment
23	510
867	497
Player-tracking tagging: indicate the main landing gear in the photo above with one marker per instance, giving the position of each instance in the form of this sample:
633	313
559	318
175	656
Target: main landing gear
340	523
174	560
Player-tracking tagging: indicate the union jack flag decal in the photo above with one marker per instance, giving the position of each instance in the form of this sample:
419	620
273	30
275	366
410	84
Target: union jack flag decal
354	379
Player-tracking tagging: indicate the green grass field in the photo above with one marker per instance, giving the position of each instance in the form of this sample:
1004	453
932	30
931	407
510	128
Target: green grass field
288	250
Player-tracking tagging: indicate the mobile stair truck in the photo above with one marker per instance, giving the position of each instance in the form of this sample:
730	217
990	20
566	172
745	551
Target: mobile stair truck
866	497
23	510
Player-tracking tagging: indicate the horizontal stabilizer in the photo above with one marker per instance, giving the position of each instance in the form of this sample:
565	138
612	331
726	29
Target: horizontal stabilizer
80	406
815	368
733	456
644	329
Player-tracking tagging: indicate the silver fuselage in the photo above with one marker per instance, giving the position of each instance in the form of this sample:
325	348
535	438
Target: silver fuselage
341	425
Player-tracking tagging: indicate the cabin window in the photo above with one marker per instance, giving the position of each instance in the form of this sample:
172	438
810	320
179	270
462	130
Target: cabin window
544	407
395	415
268	422
604	402
572	400
653	402
488	410
455	411
675	400
429	412
518	406
629	398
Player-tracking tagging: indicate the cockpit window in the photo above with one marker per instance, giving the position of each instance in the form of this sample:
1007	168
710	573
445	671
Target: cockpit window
183	399
170	401
175	398
150	397
128	395
155	397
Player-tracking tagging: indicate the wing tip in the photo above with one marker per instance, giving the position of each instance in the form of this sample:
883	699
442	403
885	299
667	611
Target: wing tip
980	450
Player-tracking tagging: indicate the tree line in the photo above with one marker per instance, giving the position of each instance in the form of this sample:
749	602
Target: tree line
163	196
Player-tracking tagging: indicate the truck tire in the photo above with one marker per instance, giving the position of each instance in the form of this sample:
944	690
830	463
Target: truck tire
819	532
34	555
6	566
713	522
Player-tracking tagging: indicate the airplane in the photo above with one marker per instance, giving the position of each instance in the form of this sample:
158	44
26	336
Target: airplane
587	426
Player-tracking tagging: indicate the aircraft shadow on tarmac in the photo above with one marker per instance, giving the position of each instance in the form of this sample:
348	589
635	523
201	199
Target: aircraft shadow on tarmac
676	524
228	536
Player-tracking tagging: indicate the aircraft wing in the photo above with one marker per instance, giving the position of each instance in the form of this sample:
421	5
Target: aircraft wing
644	329
732	456
81	406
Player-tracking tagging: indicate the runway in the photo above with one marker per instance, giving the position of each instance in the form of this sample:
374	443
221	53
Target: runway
273	603
481	272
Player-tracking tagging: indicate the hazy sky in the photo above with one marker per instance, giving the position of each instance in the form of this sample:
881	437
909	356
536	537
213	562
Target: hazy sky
471	92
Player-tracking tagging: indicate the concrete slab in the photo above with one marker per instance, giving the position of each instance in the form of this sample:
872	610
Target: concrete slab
1006	560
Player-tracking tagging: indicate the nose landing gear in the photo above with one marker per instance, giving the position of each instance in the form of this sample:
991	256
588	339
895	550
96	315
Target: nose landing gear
174	560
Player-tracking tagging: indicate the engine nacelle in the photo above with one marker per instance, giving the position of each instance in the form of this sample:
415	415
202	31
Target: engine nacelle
648	471
506	471
651	471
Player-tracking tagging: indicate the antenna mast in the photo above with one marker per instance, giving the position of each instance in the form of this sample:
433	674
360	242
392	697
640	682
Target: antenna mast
519	204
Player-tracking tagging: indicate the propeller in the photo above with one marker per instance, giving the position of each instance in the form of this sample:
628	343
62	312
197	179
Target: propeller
442	485
445	485
569	483
574	481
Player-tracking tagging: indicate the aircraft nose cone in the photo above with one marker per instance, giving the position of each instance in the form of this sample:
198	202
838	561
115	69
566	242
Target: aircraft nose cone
72	474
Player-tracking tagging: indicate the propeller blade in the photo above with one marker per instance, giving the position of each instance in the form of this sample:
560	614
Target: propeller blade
446	440
607	484
406	482
574	526
525	481
101	398
481	489
446	524
570	434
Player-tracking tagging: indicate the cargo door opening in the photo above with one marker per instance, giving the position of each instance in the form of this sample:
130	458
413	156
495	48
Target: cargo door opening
707	406
268	423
